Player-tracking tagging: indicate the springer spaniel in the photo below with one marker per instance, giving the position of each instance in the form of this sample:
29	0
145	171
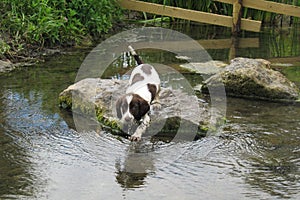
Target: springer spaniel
141	96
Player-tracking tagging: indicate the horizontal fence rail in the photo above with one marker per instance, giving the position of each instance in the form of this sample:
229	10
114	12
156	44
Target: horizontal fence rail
198	16
268	6
235	22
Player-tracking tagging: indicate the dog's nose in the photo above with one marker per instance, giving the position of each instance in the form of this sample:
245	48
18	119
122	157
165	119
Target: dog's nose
127	119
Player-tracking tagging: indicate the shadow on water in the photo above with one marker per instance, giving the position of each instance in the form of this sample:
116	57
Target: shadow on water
42	157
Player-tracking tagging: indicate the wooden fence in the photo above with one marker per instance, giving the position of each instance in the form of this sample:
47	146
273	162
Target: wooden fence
236	21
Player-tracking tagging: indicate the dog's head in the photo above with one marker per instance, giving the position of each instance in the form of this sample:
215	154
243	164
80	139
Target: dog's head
131	107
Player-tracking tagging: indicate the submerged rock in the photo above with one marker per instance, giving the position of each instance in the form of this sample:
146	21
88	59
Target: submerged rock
6	66
95	98
253	78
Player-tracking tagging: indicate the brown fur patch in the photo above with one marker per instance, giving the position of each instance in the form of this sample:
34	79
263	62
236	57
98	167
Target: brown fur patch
153	90
138	107
147	69
136	78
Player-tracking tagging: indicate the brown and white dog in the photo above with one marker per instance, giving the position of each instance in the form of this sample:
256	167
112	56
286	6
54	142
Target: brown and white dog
141	96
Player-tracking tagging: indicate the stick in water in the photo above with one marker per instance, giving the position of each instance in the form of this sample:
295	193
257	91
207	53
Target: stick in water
135	55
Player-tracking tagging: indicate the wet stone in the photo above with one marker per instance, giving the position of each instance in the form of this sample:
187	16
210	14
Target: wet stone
95	95
253	78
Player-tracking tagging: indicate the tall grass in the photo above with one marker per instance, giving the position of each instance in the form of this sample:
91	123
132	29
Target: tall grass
55	22
226	9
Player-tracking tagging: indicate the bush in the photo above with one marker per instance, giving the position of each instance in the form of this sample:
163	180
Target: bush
56	22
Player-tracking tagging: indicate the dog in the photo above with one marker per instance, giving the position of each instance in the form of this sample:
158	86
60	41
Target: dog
142	95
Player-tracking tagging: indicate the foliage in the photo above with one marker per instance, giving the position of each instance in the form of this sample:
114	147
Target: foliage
4	48
56	22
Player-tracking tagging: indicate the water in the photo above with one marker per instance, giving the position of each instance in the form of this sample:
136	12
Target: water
257	155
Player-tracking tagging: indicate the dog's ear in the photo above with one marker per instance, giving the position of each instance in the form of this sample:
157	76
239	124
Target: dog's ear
153	90
121	106
138	107
118	108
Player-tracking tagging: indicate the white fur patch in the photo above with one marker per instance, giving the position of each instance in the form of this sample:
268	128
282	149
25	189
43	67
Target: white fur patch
140	87
126	115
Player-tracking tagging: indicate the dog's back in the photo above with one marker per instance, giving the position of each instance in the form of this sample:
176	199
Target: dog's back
144	81
141	76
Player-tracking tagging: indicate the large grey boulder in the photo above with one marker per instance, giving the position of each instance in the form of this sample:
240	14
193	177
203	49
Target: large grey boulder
182	113
253	78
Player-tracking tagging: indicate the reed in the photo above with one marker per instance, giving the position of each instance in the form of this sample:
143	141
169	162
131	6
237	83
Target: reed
226	9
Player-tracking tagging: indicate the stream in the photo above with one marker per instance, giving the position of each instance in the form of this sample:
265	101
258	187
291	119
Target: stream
256	155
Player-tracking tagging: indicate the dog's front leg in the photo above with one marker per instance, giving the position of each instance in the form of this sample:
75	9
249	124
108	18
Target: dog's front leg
137	136
155	104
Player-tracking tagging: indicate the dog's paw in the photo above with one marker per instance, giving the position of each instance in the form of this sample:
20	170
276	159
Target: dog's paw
156	106
135	138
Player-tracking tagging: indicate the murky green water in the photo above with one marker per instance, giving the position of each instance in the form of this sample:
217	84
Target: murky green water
42	157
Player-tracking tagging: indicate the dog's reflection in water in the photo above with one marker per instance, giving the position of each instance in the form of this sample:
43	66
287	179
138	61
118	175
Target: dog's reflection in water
136	166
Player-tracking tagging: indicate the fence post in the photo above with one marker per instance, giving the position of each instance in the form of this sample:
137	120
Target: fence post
236	16
233	48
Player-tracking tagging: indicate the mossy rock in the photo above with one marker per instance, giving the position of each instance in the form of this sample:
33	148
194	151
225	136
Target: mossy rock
253	78
95	98
82	99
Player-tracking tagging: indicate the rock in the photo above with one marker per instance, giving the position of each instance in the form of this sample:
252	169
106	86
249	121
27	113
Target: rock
6	66
90	98
209	67
253	78
48	52
95	97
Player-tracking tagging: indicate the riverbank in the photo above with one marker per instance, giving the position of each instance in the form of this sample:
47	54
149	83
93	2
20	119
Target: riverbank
12	58
35	57
33	29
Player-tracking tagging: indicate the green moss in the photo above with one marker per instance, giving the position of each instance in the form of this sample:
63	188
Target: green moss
65	101
105	121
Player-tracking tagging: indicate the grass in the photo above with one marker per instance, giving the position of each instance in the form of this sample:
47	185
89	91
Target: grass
42	23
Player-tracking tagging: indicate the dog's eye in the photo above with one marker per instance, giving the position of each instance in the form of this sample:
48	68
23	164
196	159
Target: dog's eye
134	110
134	107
